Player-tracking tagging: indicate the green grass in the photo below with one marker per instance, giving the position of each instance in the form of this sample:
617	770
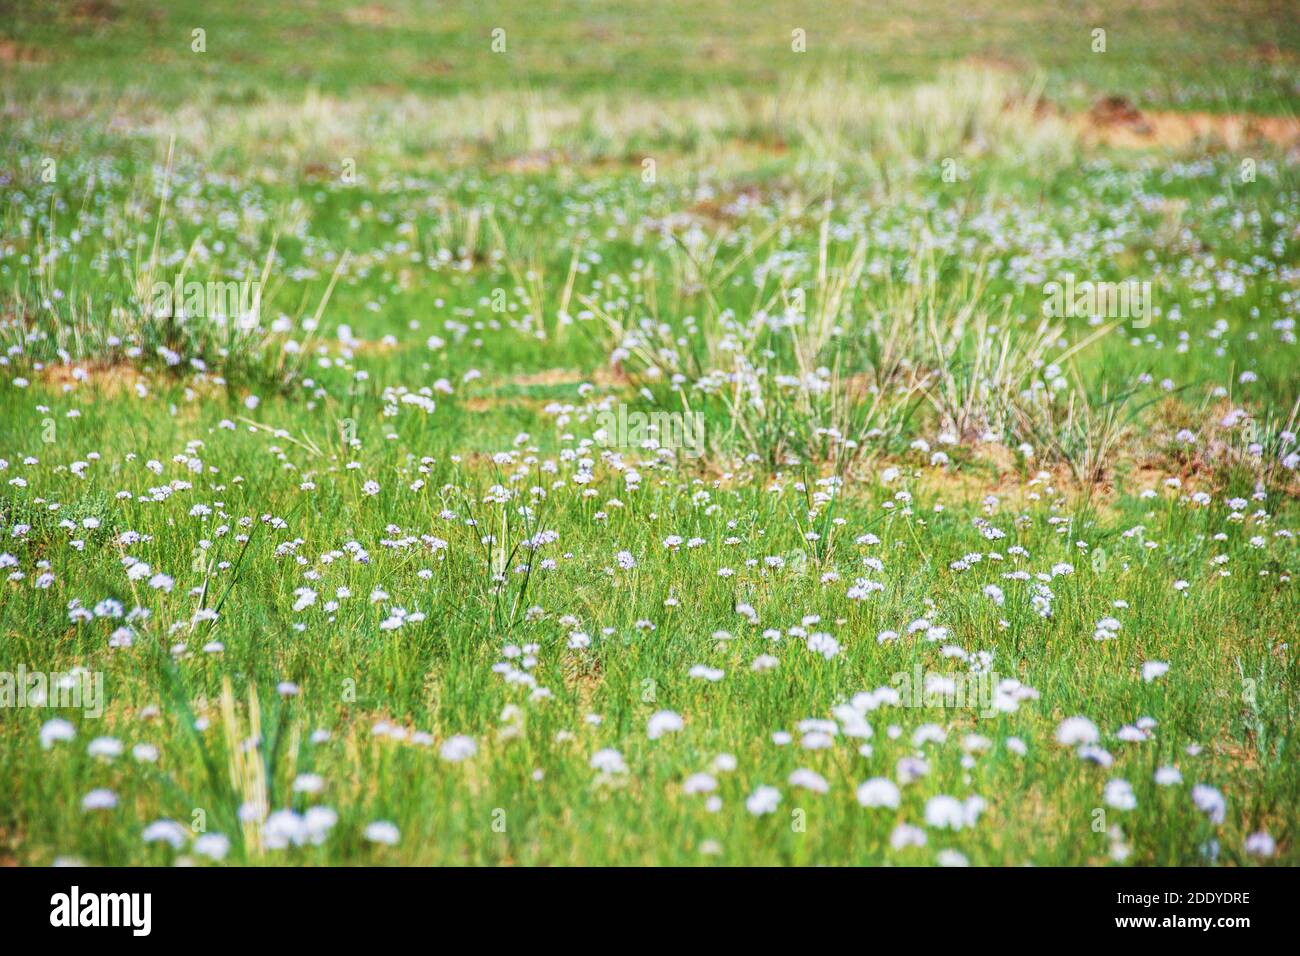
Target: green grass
1181	54
860	334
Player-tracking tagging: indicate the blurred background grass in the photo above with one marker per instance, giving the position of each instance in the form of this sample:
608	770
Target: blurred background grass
1190	54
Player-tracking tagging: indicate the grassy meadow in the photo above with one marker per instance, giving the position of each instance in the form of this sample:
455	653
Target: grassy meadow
621	434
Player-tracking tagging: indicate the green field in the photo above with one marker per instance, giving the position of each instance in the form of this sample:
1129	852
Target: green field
450	433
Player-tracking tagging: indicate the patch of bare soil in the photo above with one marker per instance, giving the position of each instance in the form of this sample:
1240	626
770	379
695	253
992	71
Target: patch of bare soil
552	160
539	161
369	15
604	377
96	11
550	376
1271	53
1114	121
13	52
112	378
